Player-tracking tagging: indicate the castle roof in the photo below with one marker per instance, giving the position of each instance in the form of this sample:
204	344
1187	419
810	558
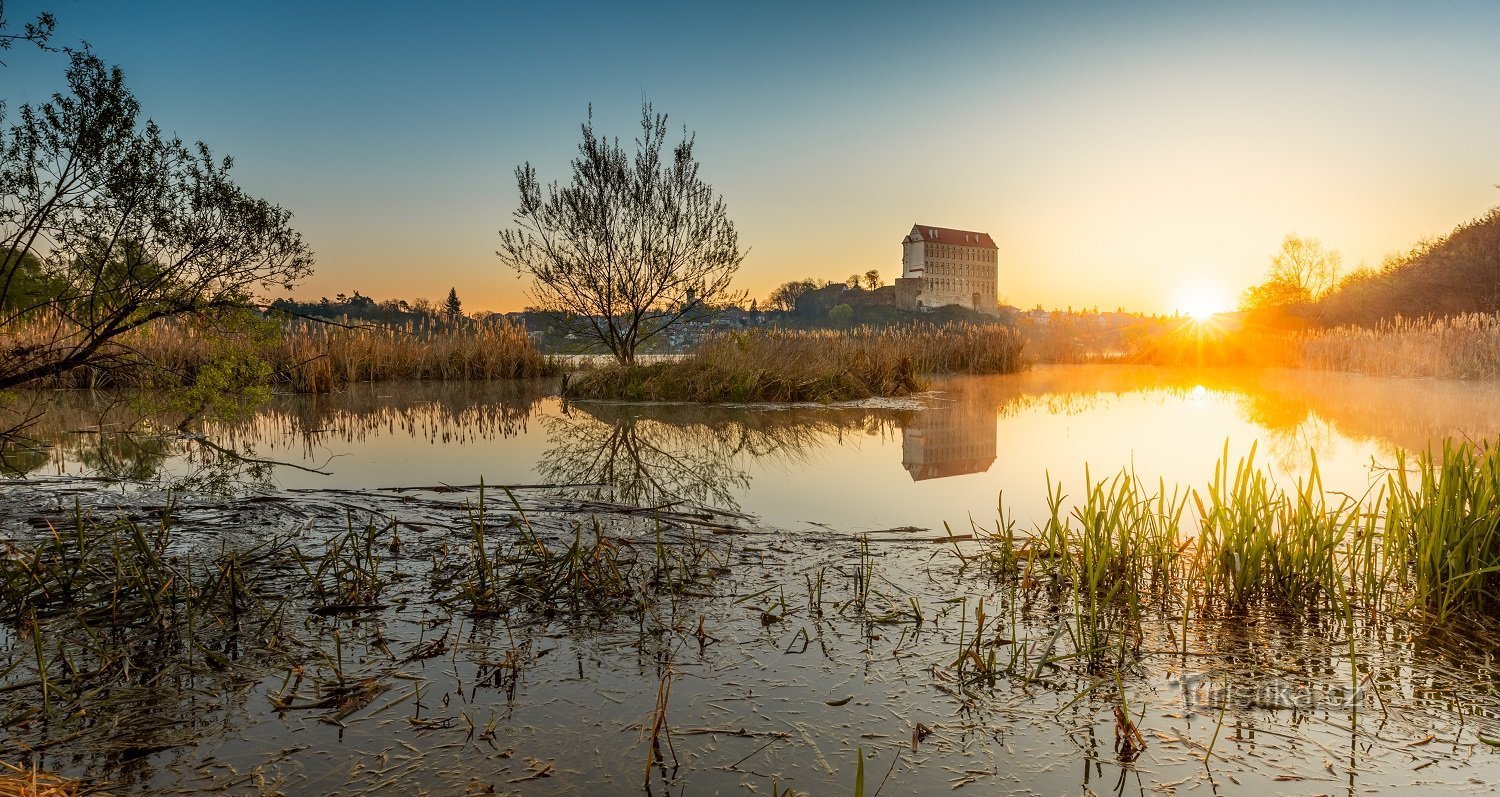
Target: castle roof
944	235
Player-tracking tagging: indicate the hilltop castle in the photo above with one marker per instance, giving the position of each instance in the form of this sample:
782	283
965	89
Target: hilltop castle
940	266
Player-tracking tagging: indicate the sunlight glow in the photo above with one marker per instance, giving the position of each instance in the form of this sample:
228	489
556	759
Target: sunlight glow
1201	302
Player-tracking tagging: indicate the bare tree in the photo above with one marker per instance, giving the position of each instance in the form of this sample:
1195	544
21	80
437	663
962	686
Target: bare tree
125	226
1301	273
629	248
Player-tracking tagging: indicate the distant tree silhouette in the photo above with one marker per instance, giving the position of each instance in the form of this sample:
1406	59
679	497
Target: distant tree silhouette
452	307
785	296
631	246
872	279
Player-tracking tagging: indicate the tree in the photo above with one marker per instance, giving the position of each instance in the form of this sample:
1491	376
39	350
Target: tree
841	315
453	308
785	296
130	226
631	246
1301	273
37	32
852	280
872	279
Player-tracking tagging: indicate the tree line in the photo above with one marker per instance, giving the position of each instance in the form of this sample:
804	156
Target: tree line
1456	273
359	307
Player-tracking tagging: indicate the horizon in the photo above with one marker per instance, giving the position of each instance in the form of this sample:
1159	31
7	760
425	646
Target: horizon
1150	158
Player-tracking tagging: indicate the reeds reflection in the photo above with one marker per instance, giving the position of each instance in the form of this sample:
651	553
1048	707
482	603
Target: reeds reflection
923	460
667	454
447	414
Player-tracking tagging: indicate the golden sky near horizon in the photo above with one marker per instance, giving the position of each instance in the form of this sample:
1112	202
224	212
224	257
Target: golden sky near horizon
1120	156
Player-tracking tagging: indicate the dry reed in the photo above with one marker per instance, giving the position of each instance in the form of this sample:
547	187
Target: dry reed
1459	347
305	357
822	365
21	781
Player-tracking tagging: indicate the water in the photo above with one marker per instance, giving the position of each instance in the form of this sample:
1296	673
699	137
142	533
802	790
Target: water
799	668
947	456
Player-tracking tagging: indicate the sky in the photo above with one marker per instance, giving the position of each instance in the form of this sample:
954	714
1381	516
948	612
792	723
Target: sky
1144	155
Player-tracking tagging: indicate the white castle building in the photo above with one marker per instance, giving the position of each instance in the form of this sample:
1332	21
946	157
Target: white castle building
940	266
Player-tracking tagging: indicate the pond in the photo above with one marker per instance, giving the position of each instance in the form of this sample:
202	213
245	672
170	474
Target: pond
945	456
800	614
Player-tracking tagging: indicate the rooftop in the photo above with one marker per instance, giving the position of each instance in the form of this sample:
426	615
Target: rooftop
944	235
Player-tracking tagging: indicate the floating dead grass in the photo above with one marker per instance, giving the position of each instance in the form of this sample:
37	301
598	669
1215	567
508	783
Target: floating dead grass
24	781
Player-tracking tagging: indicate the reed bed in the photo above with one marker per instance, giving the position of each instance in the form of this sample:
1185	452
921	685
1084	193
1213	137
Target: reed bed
319	357
1461	347
821	366
1425	542
301	356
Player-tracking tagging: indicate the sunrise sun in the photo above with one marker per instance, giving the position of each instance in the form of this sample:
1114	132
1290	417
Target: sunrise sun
1201	302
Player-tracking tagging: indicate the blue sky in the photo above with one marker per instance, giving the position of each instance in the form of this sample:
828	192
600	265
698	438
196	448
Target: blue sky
1119	153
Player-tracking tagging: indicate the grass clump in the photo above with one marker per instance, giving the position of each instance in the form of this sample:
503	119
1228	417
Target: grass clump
821	366
1426	540
583	575
117	617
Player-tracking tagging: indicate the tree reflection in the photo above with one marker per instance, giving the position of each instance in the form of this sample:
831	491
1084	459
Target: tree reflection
661	455
120	435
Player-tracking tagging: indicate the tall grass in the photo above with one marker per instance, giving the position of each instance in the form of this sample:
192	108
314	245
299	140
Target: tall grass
332	356
1460	346
304	357
822	365
1426	540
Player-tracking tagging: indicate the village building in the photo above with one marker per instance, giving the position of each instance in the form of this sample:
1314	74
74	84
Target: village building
940	266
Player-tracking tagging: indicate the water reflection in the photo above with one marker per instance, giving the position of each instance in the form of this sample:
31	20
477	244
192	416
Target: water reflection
450	413
663	454
954	435
919	462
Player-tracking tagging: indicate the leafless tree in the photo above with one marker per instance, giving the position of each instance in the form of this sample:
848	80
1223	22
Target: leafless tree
1301	273
107	225
631	246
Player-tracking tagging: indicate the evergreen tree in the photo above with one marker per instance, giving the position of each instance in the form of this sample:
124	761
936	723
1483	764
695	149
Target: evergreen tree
453	308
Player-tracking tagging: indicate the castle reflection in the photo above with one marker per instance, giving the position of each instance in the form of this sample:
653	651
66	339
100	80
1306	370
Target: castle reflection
952	438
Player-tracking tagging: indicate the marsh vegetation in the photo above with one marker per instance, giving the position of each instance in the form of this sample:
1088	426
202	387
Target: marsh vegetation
679	597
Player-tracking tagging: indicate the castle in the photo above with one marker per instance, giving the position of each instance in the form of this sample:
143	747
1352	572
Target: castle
940	266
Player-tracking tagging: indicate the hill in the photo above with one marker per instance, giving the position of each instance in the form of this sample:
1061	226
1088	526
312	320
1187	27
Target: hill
1458	273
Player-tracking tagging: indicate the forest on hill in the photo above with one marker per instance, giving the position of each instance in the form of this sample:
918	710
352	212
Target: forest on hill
1458	273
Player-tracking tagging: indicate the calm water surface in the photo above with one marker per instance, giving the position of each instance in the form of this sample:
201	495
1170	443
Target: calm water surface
946	456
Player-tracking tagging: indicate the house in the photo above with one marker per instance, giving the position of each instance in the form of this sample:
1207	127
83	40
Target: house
940	266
